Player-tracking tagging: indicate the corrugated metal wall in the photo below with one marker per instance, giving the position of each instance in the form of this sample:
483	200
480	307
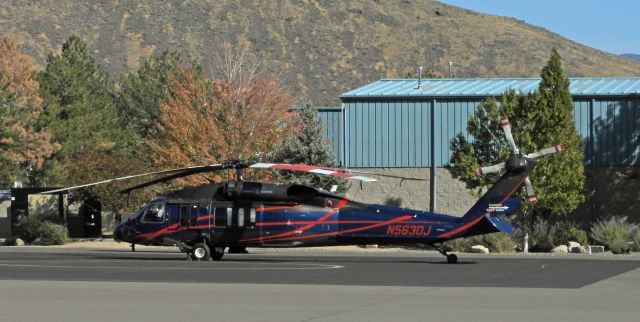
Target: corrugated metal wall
332	120
616	127
452	116
388	134
397	133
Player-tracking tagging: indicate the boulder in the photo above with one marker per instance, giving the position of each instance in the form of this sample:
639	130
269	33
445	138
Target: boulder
574	247
562	249
479	249
19	242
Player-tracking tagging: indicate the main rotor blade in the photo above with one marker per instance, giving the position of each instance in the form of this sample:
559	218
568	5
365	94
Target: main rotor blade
549	150
506	127
189	172
118	179
343	170
490	169
341	173
531	195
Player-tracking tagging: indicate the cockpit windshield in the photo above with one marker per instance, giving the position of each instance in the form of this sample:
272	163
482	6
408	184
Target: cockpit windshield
154	214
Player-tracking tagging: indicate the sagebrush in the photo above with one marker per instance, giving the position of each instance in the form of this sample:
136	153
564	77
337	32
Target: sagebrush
615	233
40	230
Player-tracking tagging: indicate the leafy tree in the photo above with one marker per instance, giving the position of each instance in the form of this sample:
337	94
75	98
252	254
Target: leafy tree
540	119
138	101
17	72
242	115
305	146
23	146
78	107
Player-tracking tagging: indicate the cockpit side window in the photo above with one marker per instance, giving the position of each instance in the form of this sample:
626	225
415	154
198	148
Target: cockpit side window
155	214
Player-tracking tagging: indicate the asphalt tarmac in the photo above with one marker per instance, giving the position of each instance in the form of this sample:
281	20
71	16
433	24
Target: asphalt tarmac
51	284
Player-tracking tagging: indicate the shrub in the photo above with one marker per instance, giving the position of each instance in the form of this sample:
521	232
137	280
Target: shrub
462	245
635	239
52	234
36	228
498	242
572	234
541	236
615	233
545	235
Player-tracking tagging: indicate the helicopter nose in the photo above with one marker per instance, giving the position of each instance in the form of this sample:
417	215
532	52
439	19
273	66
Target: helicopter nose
123	233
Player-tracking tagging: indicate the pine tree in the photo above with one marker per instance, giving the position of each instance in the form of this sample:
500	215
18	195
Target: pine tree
562	175
538	120
138	101
305	146
78	107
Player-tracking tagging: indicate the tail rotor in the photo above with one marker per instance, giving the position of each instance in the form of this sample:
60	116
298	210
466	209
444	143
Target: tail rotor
517	159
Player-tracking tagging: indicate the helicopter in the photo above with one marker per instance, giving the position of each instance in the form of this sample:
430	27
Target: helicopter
205	220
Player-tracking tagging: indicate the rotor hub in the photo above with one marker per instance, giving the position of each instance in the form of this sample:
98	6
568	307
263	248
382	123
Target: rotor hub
516	163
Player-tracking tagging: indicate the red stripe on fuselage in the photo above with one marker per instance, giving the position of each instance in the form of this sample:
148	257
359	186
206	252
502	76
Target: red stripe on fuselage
341	204
392	221
174	227
329	222
289	223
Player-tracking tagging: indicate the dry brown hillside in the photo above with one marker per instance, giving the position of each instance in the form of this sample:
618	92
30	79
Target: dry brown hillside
322	48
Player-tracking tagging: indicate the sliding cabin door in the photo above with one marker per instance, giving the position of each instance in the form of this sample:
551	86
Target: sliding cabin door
235	222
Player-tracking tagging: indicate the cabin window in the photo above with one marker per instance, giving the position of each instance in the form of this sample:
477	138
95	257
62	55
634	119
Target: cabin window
193	215
252	216
235	217
155	214
184	215
220	217
240	217
204	213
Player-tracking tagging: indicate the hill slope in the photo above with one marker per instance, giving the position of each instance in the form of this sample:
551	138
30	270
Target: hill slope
632	56
322	48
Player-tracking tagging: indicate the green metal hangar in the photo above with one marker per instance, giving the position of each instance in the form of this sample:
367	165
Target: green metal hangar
404	126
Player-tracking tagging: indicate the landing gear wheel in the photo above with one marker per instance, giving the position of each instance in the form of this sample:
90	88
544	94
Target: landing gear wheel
217	253
200	252
451	258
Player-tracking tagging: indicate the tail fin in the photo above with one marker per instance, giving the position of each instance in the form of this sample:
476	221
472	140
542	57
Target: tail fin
480	218
498	199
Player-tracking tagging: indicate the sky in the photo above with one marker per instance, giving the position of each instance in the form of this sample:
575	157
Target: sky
612	26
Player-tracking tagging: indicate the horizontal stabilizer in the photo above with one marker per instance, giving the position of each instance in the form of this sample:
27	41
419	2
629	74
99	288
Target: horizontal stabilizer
487	225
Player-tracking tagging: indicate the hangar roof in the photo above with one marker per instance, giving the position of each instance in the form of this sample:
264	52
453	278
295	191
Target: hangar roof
471	87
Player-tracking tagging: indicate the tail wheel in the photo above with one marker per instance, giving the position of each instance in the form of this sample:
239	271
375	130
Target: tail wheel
452	258
217	253
200	252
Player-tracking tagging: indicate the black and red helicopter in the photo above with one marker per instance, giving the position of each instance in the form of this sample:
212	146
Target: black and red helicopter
205	220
